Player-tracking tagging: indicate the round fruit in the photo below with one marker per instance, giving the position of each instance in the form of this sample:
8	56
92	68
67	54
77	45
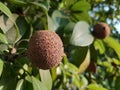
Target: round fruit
92	67
101	30
45	49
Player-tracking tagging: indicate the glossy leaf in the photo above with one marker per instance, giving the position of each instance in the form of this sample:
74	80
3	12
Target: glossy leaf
84	16
22	25
81	6
46	78
6	10
99	46
111	42
81	35
78	55
1	66
85	63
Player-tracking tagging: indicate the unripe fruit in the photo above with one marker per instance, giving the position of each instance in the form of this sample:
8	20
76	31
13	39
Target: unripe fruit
45	49
101	30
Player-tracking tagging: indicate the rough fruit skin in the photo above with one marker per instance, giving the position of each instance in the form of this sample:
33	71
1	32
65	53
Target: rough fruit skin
45	49
101	30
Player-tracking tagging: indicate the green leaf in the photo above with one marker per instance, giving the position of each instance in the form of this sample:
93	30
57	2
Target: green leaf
78	55
37	85
8	83
17	2
111	42
84	16
68	3
22	25
3	39
81	35
95	87
81	6
1	66
71	68
85	63
46	78
100	46
19	85
6	11
40	5
3	47
117	83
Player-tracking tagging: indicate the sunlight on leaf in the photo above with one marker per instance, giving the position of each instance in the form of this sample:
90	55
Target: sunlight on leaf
46	78
81	35
19	84
113	44
1	66
37	85
85	63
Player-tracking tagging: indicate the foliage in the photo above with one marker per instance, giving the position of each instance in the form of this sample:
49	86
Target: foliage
73	21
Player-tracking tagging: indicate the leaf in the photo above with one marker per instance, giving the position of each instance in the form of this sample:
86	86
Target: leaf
46	78
5	25
11	35
78	55
84	16
51	24
68	3
22	25
95	87
111	42
8	83
37	85
3	39
100	46
117	83
85	63
40	5
6	11
19	85
71	68
1	66
81	6
81	35
17	2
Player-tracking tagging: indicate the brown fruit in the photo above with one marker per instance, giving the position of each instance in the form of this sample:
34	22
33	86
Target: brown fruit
101	30
45	49
92	67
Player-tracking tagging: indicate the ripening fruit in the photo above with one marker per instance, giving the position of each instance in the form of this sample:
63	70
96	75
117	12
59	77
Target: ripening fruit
45	49
92	67
101	30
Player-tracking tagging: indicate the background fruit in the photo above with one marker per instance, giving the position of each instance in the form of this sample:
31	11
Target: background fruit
101	30
45	49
